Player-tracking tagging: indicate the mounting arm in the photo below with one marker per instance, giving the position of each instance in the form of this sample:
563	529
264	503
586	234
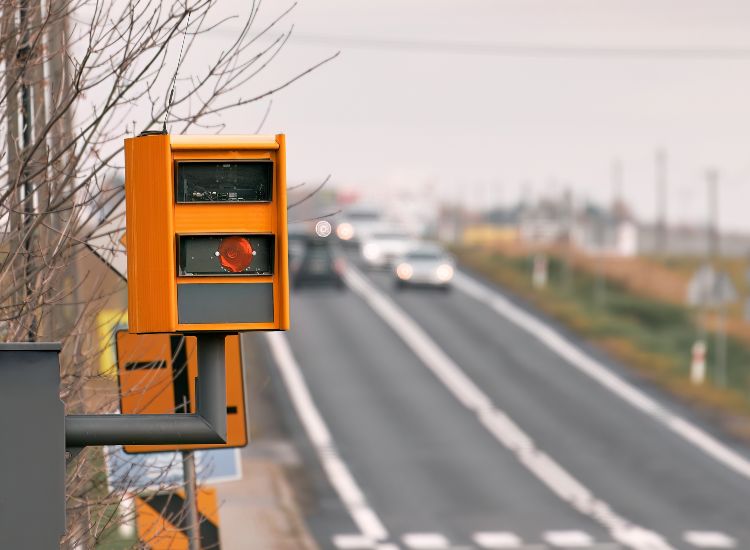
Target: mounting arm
207	425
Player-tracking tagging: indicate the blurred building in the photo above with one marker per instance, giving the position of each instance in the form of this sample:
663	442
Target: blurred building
589	227
548	221
611	231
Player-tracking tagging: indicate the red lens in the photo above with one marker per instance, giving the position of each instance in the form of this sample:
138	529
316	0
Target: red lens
235	254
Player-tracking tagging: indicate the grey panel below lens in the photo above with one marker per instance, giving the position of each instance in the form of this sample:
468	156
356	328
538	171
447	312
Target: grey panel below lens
225	303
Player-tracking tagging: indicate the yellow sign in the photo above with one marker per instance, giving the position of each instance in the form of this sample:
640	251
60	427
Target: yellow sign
108	322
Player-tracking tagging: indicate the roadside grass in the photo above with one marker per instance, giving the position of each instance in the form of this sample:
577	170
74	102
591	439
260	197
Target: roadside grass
107	534
112	539
651	336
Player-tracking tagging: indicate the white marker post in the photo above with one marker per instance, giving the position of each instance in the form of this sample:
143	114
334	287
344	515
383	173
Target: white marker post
539	273
127	516
698	363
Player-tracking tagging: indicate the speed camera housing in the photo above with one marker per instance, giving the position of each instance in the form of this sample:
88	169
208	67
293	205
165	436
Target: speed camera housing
206	233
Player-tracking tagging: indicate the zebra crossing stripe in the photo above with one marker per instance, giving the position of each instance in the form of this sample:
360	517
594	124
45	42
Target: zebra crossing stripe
499	539
568	539
709	539
425	541
353	542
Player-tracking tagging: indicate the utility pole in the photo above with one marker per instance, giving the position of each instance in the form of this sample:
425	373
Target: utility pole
191	499
60	319
714	253
18	102
712	181
11	54
568	221
617	181
616	178
661	201
29	17
190	480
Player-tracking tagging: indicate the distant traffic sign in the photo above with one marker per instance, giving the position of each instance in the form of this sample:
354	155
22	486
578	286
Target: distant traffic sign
710	288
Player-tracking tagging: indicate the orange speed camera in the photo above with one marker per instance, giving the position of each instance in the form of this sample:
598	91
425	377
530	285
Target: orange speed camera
206	233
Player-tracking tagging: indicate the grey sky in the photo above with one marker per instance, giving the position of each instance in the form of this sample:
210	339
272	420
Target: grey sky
477	126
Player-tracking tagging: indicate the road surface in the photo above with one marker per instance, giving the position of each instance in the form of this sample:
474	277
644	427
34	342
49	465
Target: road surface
437	421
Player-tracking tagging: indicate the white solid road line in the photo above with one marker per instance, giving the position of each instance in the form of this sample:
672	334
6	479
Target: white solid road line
339	475
596	370
498	423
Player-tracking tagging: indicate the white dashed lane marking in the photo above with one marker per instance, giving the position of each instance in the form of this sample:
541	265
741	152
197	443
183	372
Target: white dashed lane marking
498	539
425	541
710	539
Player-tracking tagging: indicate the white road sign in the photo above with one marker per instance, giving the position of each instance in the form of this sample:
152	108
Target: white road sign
156	471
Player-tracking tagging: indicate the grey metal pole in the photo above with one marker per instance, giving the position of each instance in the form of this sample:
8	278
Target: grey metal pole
661	201
207	425
721	345
211	386
714	252
191	500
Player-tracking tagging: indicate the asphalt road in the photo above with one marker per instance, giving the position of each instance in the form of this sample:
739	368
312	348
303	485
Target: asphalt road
433	472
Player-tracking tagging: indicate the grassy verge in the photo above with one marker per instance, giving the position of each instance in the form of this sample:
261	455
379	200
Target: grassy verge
653	337
112	539
105	513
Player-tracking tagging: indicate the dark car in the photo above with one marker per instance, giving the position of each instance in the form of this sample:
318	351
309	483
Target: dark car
313	260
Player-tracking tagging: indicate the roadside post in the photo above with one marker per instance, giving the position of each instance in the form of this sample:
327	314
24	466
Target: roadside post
698	362
539	270
206	237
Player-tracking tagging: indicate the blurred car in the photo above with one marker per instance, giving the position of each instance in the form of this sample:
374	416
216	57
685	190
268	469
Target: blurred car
314	260
426	264
381	249
358	222
297	244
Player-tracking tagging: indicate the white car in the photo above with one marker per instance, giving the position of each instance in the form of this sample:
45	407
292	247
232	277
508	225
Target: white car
426	264
358	223
384	246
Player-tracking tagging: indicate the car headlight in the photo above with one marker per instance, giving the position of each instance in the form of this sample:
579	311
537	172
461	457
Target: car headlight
345	231
404	271
371	251
444	273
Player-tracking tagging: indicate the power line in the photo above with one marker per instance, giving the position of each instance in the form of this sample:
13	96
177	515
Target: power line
520	49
